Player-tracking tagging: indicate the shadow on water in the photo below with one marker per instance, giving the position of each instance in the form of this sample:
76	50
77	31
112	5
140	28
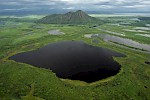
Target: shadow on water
73	60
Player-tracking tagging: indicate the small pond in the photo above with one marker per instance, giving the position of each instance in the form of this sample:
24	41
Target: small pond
73	60
147	62
2	23
55	32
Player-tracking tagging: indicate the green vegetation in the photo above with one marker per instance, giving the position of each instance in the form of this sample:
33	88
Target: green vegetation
78	17
19	81
121	29
30	95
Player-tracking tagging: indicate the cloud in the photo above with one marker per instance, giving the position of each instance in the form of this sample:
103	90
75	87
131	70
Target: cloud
87	5
69	8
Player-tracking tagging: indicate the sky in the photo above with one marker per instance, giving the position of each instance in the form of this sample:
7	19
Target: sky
57	6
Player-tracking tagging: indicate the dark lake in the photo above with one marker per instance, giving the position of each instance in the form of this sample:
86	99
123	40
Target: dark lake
73	60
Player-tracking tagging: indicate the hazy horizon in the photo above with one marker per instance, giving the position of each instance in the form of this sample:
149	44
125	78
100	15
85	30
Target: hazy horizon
27	7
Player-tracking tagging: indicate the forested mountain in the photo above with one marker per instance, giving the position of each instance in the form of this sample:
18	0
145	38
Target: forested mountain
78	17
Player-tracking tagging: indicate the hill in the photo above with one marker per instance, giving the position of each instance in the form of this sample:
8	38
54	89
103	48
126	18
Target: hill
78	17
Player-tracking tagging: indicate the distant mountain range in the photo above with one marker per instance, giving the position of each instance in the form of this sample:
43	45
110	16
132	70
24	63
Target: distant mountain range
78	17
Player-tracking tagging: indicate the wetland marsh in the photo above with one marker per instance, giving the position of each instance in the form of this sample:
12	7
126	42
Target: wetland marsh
25	80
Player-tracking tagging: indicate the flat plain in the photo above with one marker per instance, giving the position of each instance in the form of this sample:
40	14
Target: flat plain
20	81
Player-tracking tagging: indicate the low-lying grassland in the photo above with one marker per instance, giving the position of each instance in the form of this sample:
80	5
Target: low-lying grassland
127	34
21	81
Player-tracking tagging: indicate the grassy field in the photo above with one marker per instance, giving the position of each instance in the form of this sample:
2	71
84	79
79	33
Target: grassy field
19	81
131	33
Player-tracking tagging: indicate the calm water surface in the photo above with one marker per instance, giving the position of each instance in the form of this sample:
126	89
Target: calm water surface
125	41
73	60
